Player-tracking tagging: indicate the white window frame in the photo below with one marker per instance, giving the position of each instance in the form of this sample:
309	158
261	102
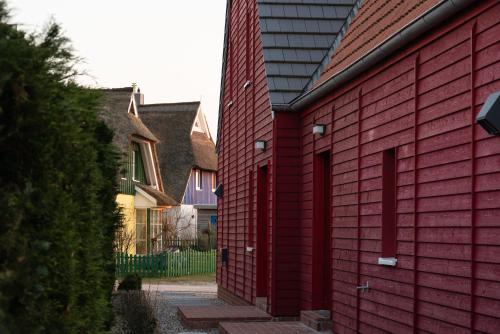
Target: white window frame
198	179
133	166
156	230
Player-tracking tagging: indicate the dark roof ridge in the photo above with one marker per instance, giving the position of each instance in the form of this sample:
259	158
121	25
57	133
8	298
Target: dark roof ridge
336	42
121	89
168	104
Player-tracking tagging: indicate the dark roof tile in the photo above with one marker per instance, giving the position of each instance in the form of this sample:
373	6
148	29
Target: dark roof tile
296	36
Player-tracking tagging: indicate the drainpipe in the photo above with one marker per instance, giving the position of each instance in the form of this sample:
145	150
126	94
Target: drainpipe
413	30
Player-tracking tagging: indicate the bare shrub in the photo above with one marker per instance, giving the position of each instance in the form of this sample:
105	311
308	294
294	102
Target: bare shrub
137	312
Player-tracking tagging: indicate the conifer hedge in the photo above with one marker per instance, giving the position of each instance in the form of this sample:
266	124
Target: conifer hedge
57	190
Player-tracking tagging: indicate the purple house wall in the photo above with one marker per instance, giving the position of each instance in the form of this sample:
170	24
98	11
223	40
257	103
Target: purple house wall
204	196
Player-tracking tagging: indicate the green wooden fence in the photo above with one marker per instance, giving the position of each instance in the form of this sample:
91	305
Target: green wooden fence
168	264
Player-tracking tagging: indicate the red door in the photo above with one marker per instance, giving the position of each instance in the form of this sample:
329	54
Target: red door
322	250
262	231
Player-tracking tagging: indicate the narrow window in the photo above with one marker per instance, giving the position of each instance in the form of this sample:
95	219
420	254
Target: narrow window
157	235
141	231
389	203
133	165
198	179
214	181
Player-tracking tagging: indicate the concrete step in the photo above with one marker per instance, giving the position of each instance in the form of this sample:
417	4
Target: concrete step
261	303
203	317
272	327
319	320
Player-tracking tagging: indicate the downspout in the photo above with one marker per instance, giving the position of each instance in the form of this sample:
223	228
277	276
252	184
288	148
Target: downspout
409	33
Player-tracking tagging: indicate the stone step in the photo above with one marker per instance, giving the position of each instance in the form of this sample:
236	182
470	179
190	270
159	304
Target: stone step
202	317
273	327
261	303
319	320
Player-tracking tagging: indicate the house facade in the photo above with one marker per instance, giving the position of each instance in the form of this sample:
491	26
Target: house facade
141	197
355	177
188	165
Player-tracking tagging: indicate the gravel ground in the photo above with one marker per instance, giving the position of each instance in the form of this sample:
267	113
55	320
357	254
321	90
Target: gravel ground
166	299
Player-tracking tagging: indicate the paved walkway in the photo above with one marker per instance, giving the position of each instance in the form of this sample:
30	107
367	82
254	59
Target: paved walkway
168	297
210	288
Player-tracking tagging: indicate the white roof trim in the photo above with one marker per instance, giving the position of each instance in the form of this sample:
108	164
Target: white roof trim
204	124
134	105
145	194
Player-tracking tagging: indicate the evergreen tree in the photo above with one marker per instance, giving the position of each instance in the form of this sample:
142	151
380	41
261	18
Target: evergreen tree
58	169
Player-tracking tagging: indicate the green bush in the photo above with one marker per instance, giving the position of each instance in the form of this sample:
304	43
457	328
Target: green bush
131	282
58	178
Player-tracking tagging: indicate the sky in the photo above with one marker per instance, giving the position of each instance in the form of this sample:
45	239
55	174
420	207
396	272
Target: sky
171	49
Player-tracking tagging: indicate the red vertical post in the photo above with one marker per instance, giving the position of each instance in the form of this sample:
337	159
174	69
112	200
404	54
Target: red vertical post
254	8
358	230
473	179
332	121
415	196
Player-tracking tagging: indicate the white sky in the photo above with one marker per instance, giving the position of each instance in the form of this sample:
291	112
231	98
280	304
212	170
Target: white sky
171	49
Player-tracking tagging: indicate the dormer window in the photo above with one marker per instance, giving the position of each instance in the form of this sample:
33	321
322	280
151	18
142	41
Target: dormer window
137	169
198	177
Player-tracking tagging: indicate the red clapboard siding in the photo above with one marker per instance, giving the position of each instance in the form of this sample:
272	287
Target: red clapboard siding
443	275
247	120
422	101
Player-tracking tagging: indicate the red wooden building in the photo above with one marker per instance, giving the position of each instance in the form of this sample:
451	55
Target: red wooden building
355	177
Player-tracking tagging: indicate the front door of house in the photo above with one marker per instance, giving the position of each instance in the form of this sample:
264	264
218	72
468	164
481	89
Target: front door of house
322	249
262	231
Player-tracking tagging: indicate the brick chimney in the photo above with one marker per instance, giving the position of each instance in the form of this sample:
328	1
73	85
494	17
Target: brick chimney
139	98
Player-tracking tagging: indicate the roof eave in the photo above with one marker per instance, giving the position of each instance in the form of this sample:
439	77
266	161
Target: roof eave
223	74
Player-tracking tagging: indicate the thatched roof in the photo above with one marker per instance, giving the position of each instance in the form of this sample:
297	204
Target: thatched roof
178	151
115	114
204	152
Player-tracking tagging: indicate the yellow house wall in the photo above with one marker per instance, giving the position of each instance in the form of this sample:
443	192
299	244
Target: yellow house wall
127	206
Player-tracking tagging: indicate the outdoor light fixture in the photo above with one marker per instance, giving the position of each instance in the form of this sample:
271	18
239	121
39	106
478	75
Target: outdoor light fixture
489	116
219	191
229	104
260	145
247	84
319	129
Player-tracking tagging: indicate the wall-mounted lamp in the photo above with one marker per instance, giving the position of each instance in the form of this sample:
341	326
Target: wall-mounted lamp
219	192
489	116
260	145
229	104
319	129
247	84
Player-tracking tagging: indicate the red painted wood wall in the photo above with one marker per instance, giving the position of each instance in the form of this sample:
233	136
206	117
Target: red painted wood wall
247	120
423	102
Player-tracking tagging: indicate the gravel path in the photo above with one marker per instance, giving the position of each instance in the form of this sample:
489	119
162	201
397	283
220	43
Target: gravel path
167	298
